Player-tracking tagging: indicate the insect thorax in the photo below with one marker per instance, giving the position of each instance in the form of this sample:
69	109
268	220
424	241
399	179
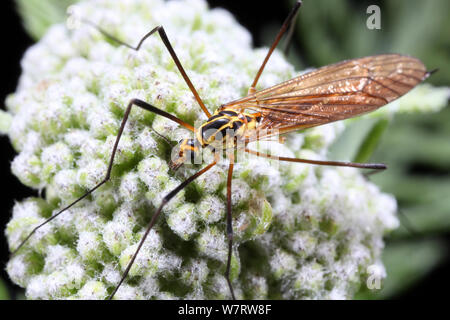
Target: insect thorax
224	130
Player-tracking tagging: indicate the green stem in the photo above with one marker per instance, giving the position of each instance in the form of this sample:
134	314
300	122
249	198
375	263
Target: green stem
371	141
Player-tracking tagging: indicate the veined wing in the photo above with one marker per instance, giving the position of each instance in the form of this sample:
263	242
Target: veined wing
334	92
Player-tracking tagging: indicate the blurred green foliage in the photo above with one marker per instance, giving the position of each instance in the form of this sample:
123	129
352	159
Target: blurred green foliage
416	147
38	15
422	256
331	31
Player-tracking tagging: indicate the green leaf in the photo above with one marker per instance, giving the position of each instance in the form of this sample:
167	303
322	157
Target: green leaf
346	145
39	15
371	141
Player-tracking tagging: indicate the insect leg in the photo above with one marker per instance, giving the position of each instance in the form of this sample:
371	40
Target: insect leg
283	29
164	201
406	223
367	174
133	102
288	38
165	40
229	226
376	166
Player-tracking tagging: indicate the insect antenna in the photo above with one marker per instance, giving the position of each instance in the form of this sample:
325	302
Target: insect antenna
133	102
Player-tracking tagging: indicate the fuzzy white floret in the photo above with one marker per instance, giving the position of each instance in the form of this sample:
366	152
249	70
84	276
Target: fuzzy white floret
183	221
56	257
282	263
17	269
38	288
93	290
212	243
88	244
211	209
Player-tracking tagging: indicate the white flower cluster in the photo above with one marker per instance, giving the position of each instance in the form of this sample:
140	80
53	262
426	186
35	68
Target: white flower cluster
301	231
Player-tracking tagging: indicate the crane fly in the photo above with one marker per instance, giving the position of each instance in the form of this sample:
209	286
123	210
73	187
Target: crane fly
335	92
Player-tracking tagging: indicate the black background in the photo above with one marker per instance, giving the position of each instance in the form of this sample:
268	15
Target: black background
14	41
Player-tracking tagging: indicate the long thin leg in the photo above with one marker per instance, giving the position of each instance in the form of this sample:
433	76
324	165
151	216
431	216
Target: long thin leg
407	223
133	102
164	201
165	40
283	29
229	226
376	166
290	32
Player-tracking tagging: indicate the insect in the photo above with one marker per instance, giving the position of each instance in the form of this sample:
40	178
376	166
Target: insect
331	93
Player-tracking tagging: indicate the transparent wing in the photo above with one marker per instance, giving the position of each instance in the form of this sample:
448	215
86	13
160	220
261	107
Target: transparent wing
335	92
